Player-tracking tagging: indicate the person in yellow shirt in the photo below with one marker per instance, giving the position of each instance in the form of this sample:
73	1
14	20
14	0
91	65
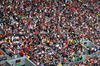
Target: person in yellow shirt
71	41
64	5
48	42
28	57
9	41
82	44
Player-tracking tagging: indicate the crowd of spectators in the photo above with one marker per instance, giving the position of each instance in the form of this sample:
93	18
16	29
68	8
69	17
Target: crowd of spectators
2	56
29	27
90	62
92	50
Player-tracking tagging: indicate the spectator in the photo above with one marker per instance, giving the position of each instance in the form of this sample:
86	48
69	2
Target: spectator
30	27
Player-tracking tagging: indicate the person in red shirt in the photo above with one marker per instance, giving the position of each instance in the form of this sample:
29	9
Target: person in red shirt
64	60
0	51
22	53
55	55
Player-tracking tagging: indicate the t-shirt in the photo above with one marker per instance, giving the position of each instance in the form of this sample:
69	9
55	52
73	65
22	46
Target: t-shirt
28	57
22	53
0	51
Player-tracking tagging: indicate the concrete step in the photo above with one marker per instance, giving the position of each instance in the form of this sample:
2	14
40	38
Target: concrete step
84	57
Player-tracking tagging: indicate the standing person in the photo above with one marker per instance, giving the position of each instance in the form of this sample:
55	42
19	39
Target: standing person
92	49
89	51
